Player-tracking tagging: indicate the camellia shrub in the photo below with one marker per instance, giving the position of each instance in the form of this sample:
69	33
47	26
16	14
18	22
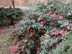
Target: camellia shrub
9	16
43	31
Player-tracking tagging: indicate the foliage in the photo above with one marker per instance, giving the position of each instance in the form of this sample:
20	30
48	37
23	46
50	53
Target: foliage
9	15
43	30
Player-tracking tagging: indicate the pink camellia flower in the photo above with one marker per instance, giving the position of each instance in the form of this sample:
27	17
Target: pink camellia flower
63	11
12	32
31	33
49	53
53	19
28	23
57	45
16	30
11	27
56	33
51	39
60	17
63	35
26	16
25	41
32	15
21	23
46	41
42	22
16	46
51	27
57	39
38	19
54	29
15	50
60	14
28	28
37	48
27	51
46	46
54	15
38	15
20	43
66	24
17	53
61	32
69	14
22	28
41	26
50	12
28	43
32	41
68	27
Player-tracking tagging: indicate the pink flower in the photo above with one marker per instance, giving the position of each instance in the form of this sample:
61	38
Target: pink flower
21	23
28	43
17	53
16	30
38	15
38	19
32	41
32	15
46	41
66	24
41	26
49	53
31	33
53	19
63	35
68	27
51	39
17	46
63	11
54	29
37	48
22	28
27	51
56	33
15	50
69	14
20	43
12	32
60	17
25	41
28	28
42	22
46	46
57	39
26	16
54	15
61	32
57	46
50	12
11	27
51	27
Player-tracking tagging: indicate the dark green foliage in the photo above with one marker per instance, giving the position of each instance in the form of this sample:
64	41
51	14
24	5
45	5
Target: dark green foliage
9	16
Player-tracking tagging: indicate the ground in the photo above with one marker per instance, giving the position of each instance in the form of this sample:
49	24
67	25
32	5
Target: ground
4	34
